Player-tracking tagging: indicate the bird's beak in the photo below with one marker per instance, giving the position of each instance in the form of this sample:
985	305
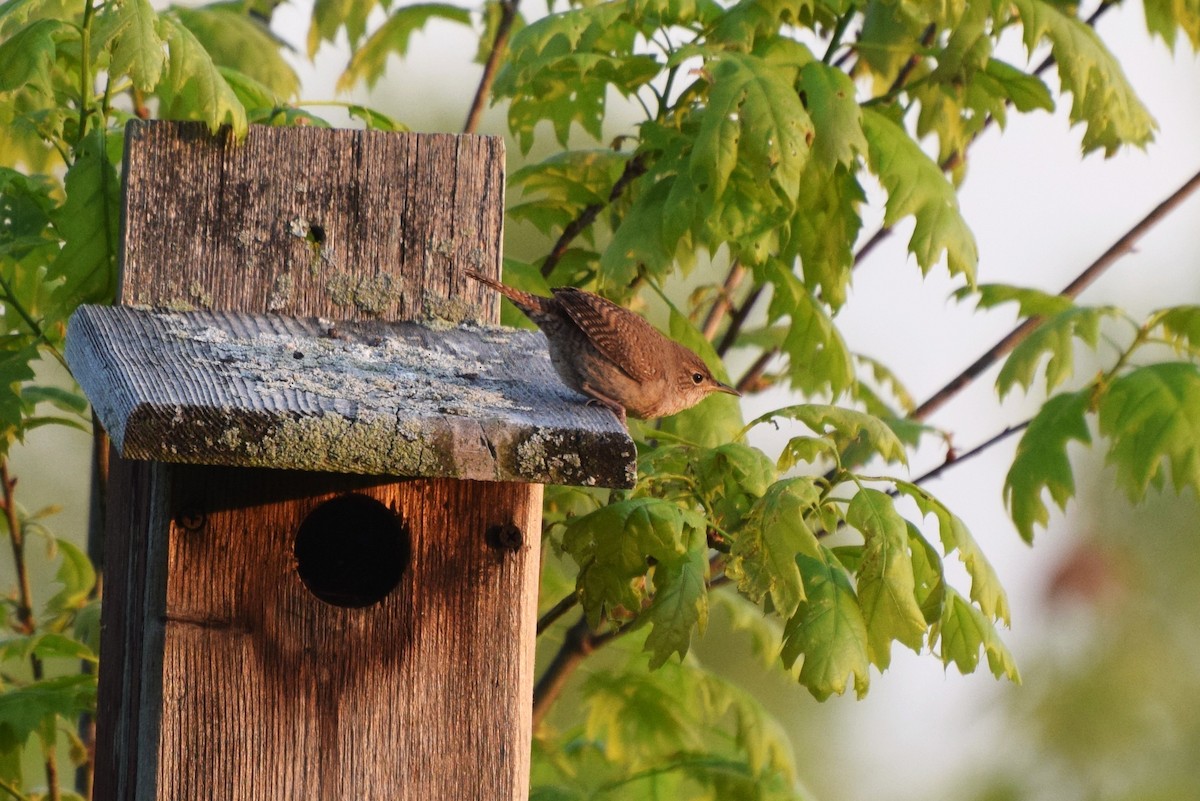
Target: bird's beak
727	389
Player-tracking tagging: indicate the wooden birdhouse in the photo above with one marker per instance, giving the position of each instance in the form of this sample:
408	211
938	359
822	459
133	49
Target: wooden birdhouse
324	502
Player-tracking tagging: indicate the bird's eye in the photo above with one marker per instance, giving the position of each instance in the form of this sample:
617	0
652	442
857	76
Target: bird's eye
697	378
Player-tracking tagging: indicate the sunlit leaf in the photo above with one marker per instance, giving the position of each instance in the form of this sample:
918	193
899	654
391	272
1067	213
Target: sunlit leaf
138	49
1101	96
1152	416
886	587
828	631
1055	337
963	631
916	186
1041	462
762	560
369	60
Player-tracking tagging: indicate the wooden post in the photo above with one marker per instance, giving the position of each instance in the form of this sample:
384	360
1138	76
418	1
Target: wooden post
286	634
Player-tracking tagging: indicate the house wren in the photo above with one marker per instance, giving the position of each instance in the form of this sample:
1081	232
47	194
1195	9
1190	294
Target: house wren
612	355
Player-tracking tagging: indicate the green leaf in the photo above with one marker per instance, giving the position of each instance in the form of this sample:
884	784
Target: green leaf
556	190
1152	416
843	426
1181	326
754	119
1026	92
885	378
807	450
1101	96
986	590
640	241
963	631
1167	18
818	359
824	228
1041	462
330	16
375	120
680	604
369	61
46	646
928	576
828	630
194	88
244	43
762	559
730	479
64	399
138	49
76	576
560	69
917	186
89	224
25	710
886	587
836	116
1032	302
1055	336
28	56
613	544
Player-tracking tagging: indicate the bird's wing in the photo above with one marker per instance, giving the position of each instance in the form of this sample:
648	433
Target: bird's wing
628	341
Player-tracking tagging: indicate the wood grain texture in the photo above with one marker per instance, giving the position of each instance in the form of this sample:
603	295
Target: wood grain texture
271	693
310	222
382	399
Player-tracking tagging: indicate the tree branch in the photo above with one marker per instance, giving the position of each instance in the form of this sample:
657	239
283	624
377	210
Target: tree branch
634	169
25	620
508	13
1071	290
954	459
577	645
558	610
724	301
739	319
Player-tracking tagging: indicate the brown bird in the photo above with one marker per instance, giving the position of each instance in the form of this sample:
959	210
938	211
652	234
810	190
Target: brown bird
612	355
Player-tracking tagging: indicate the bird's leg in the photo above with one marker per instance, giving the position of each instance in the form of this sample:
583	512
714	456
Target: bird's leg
605	401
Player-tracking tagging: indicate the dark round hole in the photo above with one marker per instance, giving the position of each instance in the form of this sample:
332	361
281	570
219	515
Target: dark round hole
317	234
351	551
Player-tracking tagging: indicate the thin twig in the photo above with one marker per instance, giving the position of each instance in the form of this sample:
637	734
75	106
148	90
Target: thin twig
954	459
508	13
575	647
749	380
739	319
558	610
27	625
905	71
634	169
1093	271
724	301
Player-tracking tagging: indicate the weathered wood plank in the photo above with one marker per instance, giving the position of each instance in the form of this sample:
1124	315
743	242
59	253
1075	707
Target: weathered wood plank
308	222
272	694
227	388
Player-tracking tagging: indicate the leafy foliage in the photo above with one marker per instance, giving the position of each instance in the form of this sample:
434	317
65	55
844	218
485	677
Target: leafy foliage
758	128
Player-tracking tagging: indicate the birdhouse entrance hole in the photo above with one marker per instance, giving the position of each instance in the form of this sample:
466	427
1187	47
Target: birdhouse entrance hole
351	551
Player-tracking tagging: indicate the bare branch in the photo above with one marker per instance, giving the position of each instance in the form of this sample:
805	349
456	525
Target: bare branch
1071	290
508	13
634	169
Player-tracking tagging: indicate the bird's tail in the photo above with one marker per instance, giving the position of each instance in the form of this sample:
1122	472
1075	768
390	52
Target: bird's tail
525	301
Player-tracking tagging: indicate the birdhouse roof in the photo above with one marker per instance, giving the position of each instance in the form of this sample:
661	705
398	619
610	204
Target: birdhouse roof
405	399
